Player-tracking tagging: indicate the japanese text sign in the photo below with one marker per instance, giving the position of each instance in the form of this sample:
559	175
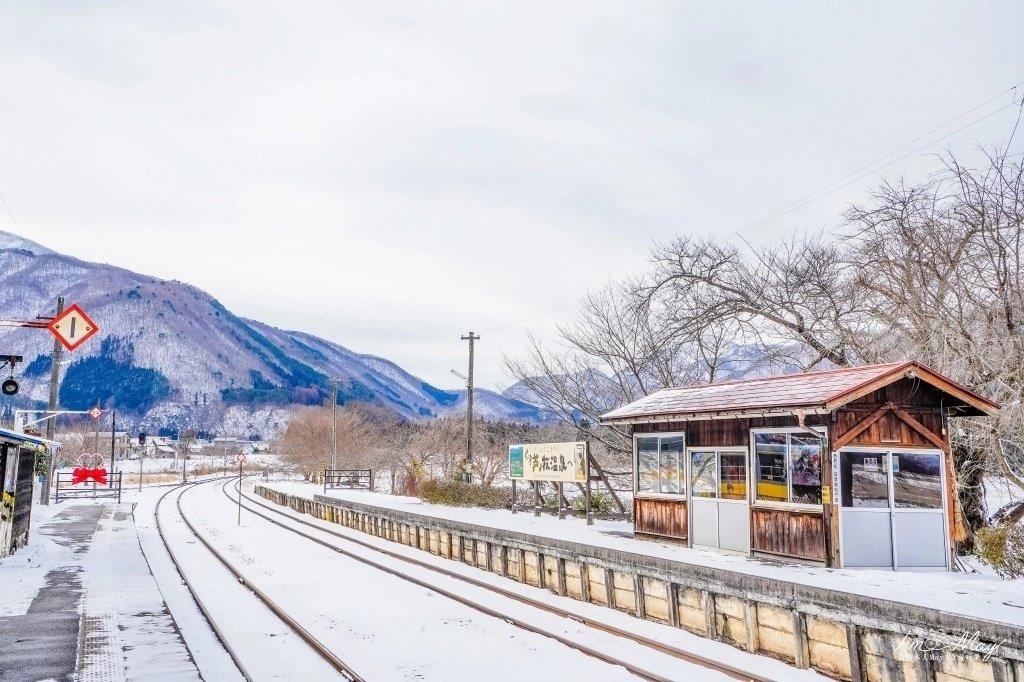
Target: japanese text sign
566	462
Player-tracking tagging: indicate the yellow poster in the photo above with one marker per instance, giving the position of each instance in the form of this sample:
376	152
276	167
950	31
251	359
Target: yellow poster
565	462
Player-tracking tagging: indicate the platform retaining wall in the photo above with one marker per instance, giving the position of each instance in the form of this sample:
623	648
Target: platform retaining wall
842	635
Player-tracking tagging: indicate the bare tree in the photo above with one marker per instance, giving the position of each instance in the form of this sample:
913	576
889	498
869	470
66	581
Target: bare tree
942	264
307	443
619	349
929	270
801	295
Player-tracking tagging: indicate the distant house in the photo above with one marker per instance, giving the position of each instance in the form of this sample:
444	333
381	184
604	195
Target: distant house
100	443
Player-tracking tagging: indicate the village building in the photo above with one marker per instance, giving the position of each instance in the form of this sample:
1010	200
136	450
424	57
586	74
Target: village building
846	467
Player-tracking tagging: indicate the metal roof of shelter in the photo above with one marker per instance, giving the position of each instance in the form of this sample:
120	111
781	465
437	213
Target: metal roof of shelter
809	392
8	435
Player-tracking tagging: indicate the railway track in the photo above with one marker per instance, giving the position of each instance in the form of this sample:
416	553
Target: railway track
648	642
315	644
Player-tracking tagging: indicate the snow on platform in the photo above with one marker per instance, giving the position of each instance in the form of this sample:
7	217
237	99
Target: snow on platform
80	603
978	595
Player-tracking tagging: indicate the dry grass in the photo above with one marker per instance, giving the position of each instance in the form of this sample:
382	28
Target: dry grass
150	479
170	476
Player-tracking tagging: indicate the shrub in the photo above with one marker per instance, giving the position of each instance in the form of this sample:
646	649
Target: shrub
600	503
461	494
1002	546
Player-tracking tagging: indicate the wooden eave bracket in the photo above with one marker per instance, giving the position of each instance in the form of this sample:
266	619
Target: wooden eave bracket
907	418
914	370
863	425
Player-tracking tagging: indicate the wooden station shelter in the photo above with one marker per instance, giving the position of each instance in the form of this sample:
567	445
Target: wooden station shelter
845	467
17	471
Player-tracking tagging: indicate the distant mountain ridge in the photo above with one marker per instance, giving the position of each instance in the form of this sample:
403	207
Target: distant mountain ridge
169	355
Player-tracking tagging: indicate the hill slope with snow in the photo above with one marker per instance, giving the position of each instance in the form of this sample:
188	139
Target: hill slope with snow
169	355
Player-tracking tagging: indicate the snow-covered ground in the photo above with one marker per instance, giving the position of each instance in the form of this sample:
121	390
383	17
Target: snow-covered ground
387	628
718	651
979	595
82	591
1000	492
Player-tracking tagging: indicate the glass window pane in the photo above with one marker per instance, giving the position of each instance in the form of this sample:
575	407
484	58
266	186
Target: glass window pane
671	464
805	468
917	480
863	479
647	465
702	474
732	475
770	458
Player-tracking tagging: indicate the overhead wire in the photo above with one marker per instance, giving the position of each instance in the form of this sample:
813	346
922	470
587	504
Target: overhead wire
846	180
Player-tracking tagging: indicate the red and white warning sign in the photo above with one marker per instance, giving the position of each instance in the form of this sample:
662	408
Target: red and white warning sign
239	458
73	327
95	413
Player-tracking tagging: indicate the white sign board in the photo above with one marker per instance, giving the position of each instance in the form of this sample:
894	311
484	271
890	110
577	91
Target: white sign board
565	462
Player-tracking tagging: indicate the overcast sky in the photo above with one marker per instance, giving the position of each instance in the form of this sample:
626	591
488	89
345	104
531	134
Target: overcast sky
389	176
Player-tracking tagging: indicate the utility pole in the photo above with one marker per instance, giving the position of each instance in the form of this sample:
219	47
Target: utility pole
469	408
113	436
44	489
334	423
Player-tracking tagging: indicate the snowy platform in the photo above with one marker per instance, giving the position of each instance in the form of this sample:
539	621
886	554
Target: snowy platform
980	597
79	602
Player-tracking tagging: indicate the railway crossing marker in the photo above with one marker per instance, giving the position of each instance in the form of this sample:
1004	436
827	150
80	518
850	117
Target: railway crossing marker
73	327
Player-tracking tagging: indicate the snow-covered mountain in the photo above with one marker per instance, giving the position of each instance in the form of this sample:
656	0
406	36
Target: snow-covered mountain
169	355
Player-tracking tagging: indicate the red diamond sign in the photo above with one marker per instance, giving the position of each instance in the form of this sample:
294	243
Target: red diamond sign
239	458
73	327
95	413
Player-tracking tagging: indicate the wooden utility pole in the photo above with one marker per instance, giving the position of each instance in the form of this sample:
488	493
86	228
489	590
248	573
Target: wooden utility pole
44	489
469	407
240	460
334	423
113	436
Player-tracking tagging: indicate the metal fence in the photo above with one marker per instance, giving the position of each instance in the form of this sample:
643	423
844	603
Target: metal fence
66	490
349	479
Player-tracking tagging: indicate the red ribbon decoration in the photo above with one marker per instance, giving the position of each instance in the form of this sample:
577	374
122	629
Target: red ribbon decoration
82	475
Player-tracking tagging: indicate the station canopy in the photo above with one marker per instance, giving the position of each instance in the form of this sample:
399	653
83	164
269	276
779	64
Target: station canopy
810	393
6	435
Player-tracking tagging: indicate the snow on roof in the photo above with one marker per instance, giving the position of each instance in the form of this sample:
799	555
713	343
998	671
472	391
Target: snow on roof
824	390
8	435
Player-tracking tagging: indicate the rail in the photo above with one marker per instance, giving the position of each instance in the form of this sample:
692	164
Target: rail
661	647
337	663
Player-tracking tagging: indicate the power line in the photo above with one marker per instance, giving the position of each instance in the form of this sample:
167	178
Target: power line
834	186
839	184
8	209
831	187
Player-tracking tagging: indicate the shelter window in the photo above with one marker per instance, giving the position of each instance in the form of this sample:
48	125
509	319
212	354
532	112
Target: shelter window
788	466
917	480
718	474
864	479
702	473
732	469
659	464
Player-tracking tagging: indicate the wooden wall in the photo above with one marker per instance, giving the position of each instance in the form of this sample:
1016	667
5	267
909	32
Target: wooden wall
799	534
725	432
660	516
